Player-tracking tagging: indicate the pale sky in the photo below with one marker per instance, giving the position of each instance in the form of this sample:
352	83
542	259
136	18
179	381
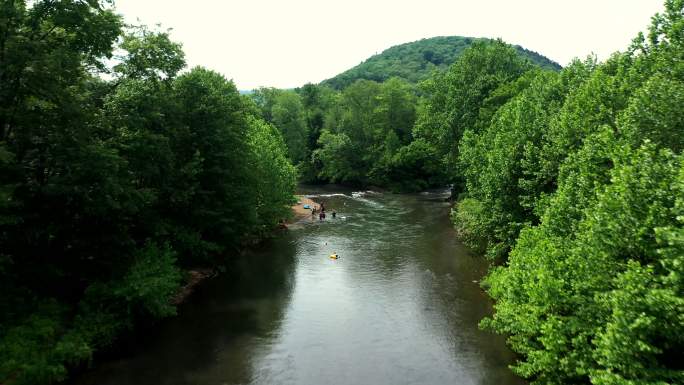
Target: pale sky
286	44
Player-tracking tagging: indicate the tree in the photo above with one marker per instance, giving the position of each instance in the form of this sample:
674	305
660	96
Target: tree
213	134
500	162
371	119
396	106
289	117
562	296
456	96
107	187
272	173
593	292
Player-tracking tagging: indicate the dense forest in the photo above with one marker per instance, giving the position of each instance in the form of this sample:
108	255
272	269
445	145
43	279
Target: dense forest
416	61
120	170
111	189
571	182
394	134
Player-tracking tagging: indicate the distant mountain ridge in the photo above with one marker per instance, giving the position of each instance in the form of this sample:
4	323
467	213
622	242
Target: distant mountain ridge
415	61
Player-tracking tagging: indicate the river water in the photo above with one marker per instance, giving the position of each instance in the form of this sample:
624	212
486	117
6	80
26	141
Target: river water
400	306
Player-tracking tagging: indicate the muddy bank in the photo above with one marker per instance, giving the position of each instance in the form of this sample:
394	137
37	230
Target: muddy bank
194	278
298	208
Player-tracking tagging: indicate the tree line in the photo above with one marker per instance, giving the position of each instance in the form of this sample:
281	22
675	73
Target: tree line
360	136
117	173
574	188
395	134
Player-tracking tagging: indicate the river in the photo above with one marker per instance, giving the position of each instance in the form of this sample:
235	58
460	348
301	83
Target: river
400	306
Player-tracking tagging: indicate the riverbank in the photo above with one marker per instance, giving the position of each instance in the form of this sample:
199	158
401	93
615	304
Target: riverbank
298	210
196	276
193	278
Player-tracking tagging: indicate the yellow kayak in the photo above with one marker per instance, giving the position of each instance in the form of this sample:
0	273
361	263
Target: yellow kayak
334	256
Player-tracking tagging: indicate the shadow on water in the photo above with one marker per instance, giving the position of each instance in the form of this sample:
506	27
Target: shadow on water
401	306
217	331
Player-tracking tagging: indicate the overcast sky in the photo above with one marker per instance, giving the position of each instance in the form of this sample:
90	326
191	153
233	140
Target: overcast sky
285	44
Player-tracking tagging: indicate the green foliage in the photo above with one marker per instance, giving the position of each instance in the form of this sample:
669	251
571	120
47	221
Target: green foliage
456	96
500	163
360	134
273	175
580	176
396	107
418	60
150	55
336	154
574	182
213	132
150	282
364	134
470	222
413	167
107	187
558	292
653	112
286	111
25	350
289	117
38	348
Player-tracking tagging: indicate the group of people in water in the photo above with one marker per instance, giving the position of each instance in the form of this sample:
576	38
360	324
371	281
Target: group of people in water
321	212
321	216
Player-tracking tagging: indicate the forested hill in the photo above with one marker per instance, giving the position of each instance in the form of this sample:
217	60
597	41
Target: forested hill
415	61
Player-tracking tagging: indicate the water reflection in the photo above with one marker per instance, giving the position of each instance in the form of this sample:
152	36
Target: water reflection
217	333
399	307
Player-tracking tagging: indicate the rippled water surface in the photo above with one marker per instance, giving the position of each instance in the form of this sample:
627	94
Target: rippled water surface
399	307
